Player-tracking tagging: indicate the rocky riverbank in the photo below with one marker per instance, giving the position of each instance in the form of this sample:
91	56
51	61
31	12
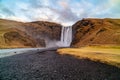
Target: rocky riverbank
49	65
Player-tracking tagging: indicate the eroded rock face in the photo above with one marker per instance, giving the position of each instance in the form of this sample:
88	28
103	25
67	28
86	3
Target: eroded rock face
44	30
32	34
96	32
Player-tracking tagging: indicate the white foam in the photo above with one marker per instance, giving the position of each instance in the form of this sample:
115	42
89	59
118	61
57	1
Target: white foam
66	36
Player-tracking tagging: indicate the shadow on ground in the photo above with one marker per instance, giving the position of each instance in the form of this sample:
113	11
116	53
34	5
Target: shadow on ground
49	65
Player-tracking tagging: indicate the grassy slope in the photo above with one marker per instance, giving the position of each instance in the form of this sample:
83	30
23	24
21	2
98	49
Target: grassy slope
20	41
7	26
104	33
31	34
109	55
96	31
2	40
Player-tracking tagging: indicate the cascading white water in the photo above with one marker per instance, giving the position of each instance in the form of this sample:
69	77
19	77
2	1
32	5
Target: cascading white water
66	36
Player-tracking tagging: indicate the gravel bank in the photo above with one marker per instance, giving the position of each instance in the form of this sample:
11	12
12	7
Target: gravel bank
48	65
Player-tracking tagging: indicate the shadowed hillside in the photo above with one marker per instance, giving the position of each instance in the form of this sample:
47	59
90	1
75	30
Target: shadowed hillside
32	34
96	32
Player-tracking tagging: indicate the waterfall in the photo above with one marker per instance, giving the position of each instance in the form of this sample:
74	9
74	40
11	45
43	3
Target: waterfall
66	36
65	40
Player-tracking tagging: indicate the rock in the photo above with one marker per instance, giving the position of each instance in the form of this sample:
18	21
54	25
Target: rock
50	29
43	31
55	71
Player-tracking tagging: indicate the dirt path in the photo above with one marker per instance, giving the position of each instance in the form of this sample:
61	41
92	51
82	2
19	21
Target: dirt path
49	65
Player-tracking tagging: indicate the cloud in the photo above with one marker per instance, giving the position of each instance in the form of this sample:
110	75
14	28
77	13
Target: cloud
62	11
63	4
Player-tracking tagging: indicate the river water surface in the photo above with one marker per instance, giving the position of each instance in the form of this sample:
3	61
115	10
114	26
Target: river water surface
10	52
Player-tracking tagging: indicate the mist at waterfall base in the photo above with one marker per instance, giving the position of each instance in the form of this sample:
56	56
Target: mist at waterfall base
65	40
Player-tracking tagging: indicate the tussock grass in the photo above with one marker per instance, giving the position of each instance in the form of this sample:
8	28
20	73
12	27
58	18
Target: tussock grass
108	55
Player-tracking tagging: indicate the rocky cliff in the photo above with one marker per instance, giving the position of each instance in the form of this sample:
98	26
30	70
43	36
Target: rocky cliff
96	32
32	34
44	31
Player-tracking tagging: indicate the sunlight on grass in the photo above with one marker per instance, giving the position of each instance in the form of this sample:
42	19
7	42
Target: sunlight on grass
107	55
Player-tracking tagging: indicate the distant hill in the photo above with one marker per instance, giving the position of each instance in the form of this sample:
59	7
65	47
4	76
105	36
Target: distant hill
15	34
96	32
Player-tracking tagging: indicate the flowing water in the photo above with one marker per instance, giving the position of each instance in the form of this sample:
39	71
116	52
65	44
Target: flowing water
10	52
66	36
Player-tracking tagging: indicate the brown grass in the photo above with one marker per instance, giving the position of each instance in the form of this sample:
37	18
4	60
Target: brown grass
109	55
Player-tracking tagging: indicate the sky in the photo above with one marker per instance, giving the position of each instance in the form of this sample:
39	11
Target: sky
65	12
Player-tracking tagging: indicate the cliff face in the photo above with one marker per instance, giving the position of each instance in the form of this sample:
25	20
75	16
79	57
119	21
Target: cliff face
44	30
96	32
33	34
